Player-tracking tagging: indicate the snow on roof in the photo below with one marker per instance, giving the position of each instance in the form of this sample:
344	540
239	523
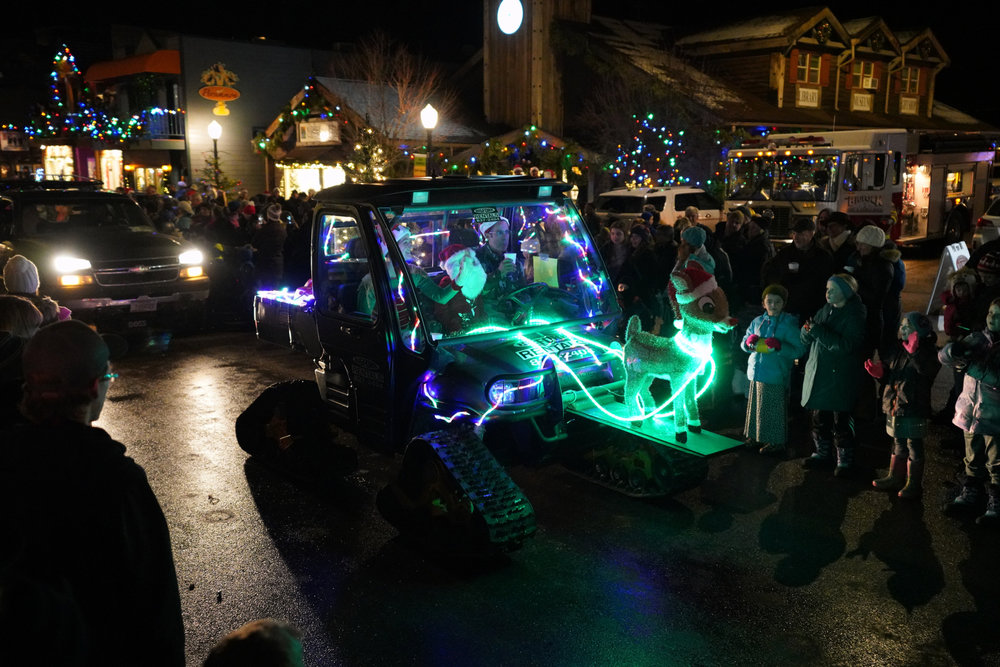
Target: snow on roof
764	27
950	114
642	44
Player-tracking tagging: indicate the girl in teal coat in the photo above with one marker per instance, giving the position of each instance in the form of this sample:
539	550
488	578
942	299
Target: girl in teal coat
835	336
773	342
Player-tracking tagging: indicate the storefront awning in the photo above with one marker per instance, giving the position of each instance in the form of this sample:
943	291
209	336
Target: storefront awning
158	62
326	154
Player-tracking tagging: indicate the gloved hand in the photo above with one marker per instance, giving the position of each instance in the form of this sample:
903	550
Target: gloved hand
911	342
761	348
875	368
752	340
773	343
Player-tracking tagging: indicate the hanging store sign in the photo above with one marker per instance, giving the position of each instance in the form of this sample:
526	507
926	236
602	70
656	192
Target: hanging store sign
218	87
317	132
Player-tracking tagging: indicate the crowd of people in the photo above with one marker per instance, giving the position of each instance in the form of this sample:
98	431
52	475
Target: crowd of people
822	327
250	242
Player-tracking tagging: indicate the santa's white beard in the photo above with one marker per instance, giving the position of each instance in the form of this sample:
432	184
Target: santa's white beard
473	278
465	271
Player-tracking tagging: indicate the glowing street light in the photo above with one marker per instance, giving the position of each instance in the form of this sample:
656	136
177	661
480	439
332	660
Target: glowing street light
429	119
215	132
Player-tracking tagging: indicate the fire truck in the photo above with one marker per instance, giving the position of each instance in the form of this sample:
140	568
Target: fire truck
917	187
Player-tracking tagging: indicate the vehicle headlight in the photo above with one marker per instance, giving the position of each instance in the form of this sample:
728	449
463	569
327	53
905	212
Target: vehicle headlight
69	264
190	257
516	391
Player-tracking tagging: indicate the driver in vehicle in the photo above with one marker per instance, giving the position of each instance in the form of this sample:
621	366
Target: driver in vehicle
503	274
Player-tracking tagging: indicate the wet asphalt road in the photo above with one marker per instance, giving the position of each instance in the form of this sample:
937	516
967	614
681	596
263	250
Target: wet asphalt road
764	564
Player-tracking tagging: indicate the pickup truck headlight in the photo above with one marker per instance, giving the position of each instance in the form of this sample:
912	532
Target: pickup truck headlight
68	268
191	261
190	257
68	264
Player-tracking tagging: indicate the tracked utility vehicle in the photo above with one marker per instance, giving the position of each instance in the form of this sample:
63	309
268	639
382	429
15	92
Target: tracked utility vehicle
413	358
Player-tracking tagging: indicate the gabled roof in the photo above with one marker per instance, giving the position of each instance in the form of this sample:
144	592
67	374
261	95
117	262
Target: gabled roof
873	34
778	31
923	44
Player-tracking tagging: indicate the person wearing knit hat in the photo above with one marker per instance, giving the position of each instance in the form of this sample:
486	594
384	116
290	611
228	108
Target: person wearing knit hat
774	343
504	269
875	271
20	278
835	336
269	244
692	248
870	235
20	275
908	375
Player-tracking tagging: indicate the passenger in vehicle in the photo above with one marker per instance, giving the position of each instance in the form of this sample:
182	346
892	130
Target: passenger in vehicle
503	274
467	279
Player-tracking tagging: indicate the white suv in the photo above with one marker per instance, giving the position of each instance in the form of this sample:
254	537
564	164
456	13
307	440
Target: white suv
988	226
669	202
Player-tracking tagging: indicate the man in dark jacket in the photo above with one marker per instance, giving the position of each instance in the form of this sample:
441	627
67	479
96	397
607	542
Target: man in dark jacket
801	267
79	516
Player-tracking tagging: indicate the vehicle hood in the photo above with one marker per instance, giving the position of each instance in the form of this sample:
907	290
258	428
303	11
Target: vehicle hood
99	246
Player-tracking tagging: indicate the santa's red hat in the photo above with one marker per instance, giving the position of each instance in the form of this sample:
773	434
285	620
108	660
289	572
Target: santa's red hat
691	283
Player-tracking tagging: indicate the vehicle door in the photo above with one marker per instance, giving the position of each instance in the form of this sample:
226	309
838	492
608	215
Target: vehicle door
350	287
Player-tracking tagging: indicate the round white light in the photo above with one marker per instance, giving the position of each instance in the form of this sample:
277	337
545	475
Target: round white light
509	16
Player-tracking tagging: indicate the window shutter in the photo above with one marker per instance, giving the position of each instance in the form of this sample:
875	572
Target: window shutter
824	69
849	78
877	73
793	65
897	82
923	80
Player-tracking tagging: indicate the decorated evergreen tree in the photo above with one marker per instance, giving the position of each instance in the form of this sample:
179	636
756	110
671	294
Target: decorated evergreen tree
368	161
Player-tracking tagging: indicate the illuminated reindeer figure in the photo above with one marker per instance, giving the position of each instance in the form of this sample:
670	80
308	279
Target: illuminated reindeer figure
703	309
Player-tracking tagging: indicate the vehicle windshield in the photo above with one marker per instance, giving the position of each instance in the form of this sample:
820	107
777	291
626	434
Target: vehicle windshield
497	267
783	177
47	215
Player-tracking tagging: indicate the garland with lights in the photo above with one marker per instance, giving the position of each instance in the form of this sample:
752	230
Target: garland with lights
531	149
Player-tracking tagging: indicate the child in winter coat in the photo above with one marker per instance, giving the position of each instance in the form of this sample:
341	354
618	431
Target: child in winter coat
960	319
772	339
978	414
908	374
836	336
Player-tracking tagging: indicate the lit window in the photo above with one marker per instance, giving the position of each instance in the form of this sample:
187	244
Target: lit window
910	80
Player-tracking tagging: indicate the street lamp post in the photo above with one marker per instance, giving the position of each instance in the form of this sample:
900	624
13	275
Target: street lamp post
429	119
215	132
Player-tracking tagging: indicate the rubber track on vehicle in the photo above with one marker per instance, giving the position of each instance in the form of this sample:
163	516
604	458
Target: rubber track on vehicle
507	512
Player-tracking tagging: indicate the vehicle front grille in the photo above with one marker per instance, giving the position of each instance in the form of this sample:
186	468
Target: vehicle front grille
154	270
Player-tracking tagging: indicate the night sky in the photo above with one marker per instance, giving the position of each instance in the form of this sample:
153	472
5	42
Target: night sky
452	29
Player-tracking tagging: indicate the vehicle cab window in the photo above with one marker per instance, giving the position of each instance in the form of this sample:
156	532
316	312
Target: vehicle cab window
343	268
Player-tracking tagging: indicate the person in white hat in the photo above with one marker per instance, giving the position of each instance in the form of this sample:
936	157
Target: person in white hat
874	274
20	278
503	274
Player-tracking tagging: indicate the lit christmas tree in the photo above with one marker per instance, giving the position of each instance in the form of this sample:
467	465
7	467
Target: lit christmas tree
368	162
651	158
71	111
